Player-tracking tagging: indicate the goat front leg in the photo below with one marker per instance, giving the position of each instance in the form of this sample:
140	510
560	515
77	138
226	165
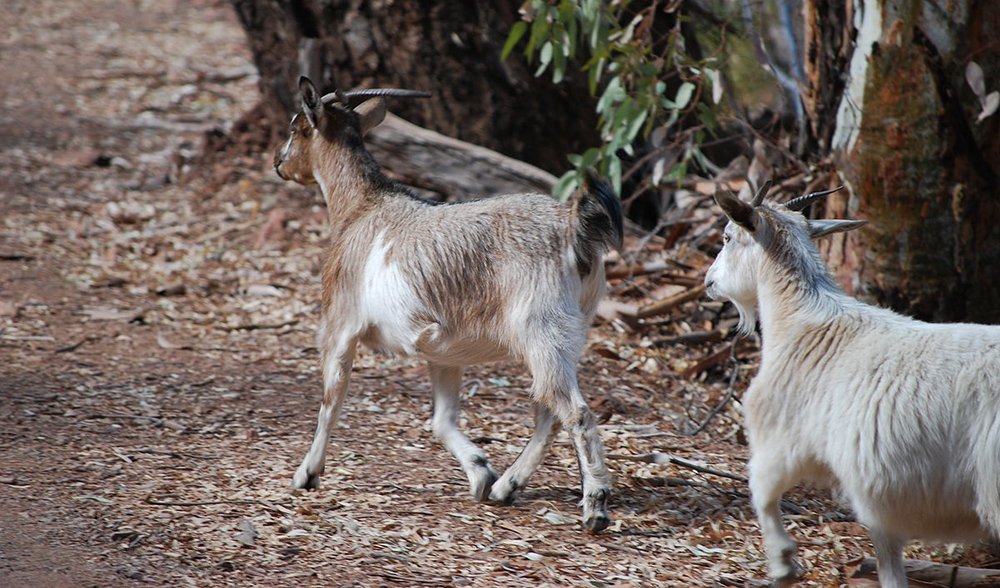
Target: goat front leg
768	481
531	457
338	356
447	382
889	555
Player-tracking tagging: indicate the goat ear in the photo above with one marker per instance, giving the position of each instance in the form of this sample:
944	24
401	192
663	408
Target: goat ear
819	228
738	211
312	104
370	113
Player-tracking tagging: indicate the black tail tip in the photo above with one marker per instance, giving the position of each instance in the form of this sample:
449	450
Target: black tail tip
610	203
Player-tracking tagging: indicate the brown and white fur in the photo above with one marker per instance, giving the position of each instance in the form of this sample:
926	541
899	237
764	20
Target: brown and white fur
902	414
515	277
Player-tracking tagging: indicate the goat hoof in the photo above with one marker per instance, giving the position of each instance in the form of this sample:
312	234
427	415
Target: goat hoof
305	481
788	577
597	523
481	488
503	493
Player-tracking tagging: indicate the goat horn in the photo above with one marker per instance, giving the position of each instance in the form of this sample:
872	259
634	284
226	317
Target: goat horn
335	96
395	92
759	196
798	204
346	97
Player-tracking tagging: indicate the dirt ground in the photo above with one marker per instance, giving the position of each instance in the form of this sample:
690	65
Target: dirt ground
159	383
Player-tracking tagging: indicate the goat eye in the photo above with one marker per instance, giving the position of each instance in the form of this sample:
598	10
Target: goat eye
726	239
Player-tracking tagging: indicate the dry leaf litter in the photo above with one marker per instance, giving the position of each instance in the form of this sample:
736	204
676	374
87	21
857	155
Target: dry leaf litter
159	379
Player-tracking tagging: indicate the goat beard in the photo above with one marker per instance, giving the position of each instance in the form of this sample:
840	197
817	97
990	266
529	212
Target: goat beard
748	318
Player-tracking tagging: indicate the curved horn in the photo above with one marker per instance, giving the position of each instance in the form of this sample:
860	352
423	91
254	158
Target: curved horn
335	96
798	204
395	92
759	197
346	98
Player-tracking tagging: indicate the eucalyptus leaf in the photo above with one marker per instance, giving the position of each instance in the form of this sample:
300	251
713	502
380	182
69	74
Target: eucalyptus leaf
974	76
516	33
990	104
684	94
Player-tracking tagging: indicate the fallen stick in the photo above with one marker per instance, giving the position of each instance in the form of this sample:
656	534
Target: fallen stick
77	345
653	267
665	458
667	304
691	338
427	159
862	572
151	500
714	358
176	454
730	391
259	327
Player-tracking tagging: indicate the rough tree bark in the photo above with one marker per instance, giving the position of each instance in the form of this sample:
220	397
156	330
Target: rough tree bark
887	94
448	47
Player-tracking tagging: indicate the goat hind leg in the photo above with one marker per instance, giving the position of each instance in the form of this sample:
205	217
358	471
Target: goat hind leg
583	430
559	391
447	382
337	361
531	457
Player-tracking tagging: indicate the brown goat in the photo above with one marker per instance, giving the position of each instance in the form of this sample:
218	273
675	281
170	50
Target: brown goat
511	277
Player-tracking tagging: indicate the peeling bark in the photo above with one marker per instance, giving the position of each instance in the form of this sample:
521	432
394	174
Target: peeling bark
922	171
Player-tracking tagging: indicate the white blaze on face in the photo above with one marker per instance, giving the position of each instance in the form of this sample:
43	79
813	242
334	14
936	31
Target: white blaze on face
286	148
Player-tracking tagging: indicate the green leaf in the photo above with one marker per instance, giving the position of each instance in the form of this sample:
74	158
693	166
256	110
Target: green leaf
571	33
635	124
612	94
674	115
558	63
707	116
615	173
594	75
597	33
545	56
684	95
566	185
516	32
539	31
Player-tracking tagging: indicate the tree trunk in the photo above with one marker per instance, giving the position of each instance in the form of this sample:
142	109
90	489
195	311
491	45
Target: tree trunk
448	47
903	130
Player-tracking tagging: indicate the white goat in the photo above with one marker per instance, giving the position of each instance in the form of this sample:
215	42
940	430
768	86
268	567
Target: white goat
511	277
903	414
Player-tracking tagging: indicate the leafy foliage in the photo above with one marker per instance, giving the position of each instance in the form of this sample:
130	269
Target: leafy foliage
650	89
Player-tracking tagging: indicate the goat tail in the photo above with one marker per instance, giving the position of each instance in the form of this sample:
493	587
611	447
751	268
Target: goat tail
598	219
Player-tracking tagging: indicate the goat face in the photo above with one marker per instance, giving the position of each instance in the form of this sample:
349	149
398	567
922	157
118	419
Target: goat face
757	232
293	161
733	274
324	126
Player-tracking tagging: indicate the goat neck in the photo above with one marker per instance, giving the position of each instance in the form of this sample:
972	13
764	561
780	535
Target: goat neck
794	287
351	181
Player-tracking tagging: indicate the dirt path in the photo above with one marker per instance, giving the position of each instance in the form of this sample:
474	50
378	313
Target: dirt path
158	378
